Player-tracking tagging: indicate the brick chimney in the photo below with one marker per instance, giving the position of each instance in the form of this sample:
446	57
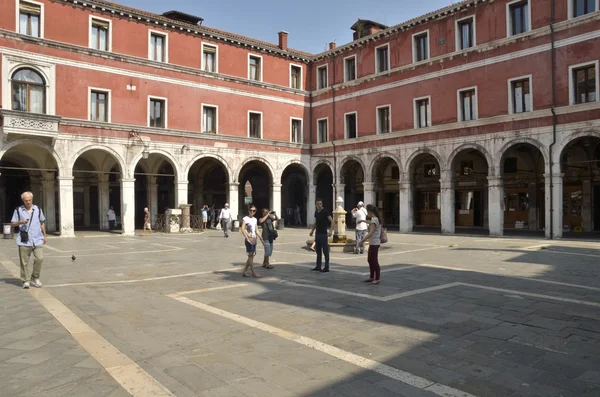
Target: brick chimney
332	45
283	36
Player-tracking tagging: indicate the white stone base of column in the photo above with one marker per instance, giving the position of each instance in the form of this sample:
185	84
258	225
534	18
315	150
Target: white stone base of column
496	206
67	226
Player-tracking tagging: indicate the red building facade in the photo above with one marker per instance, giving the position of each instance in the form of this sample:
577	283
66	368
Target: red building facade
480	115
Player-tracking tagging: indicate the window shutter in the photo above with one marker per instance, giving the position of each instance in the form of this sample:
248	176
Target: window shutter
30	8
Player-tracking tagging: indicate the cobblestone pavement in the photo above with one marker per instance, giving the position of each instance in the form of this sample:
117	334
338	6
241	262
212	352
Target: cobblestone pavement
170	315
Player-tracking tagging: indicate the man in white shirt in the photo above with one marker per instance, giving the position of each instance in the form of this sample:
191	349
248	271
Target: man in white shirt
112	218
225	219
360	214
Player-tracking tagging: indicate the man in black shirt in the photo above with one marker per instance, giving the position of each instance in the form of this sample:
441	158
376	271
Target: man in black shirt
323	220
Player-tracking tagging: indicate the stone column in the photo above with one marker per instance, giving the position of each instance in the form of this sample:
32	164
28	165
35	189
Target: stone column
128	206
181	193
586	205
49	188
103	201
233	201
341	189
448	210
532	218
407	219
65	186
310	211
185	218
556	185
152	197
276	198
369	193
496	205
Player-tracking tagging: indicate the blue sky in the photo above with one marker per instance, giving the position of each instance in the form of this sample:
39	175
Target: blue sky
311	23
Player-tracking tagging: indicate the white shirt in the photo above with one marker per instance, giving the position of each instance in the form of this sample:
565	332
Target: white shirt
111	215
361	215
225	213
250	225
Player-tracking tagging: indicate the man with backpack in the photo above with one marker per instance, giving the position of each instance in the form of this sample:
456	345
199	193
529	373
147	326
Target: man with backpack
31	238
269	234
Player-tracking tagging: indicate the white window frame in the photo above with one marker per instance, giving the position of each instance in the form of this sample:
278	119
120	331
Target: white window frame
378	121
414	47
326	66
509	19
110	32
416	113
262	77
355	113
389	62
203	64
572	85
327	130
292	65
18	16
10	64
459	104
355	68
159	33
109	110
202	126
571	14
150	97
511	107
292	119
262	123
457	35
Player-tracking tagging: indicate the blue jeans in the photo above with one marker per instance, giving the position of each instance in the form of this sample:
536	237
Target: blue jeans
322	247
360	234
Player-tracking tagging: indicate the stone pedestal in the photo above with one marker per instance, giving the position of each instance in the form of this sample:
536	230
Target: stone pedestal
496	205
173	222
339	222
185	218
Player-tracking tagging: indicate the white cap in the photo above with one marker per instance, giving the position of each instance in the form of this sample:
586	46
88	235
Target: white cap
226	204
360	204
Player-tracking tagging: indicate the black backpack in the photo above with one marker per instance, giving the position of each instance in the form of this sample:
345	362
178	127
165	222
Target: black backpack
272	232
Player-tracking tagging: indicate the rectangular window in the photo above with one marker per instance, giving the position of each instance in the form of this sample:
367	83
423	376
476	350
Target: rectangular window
209	58
209	119
383	120
255	68
350	68
322	130
296	131
421	45
518	17
255	125
584	84
422	113
322	77
296	77
158	47
468	105
350	123
100	35
30	16
521	96
382	59
583	7
99	106
466	34
157	113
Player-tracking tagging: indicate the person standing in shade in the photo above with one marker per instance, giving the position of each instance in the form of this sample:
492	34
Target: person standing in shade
249	231
204	217
268	234
360	214
112	218
323	220
225	218
31	238
374	237
147	220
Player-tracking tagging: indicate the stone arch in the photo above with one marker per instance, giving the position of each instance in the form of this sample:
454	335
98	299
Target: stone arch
33	67
410	162
218	158
317	164
301	165
475	146
107	149
347	159
378	158
567	140
174	163
55	156
506	147
260	160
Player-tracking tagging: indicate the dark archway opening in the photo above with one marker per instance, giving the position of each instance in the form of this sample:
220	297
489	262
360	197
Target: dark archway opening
324	182
294	195
427	193
255	186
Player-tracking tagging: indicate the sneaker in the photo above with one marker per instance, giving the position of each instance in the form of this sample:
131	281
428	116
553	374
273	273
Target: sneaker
316	269
26	285
36	283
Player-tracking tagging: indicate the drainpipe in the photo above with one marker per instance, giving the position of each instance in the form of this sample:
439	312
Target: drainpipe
310	105
554	118
335	192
